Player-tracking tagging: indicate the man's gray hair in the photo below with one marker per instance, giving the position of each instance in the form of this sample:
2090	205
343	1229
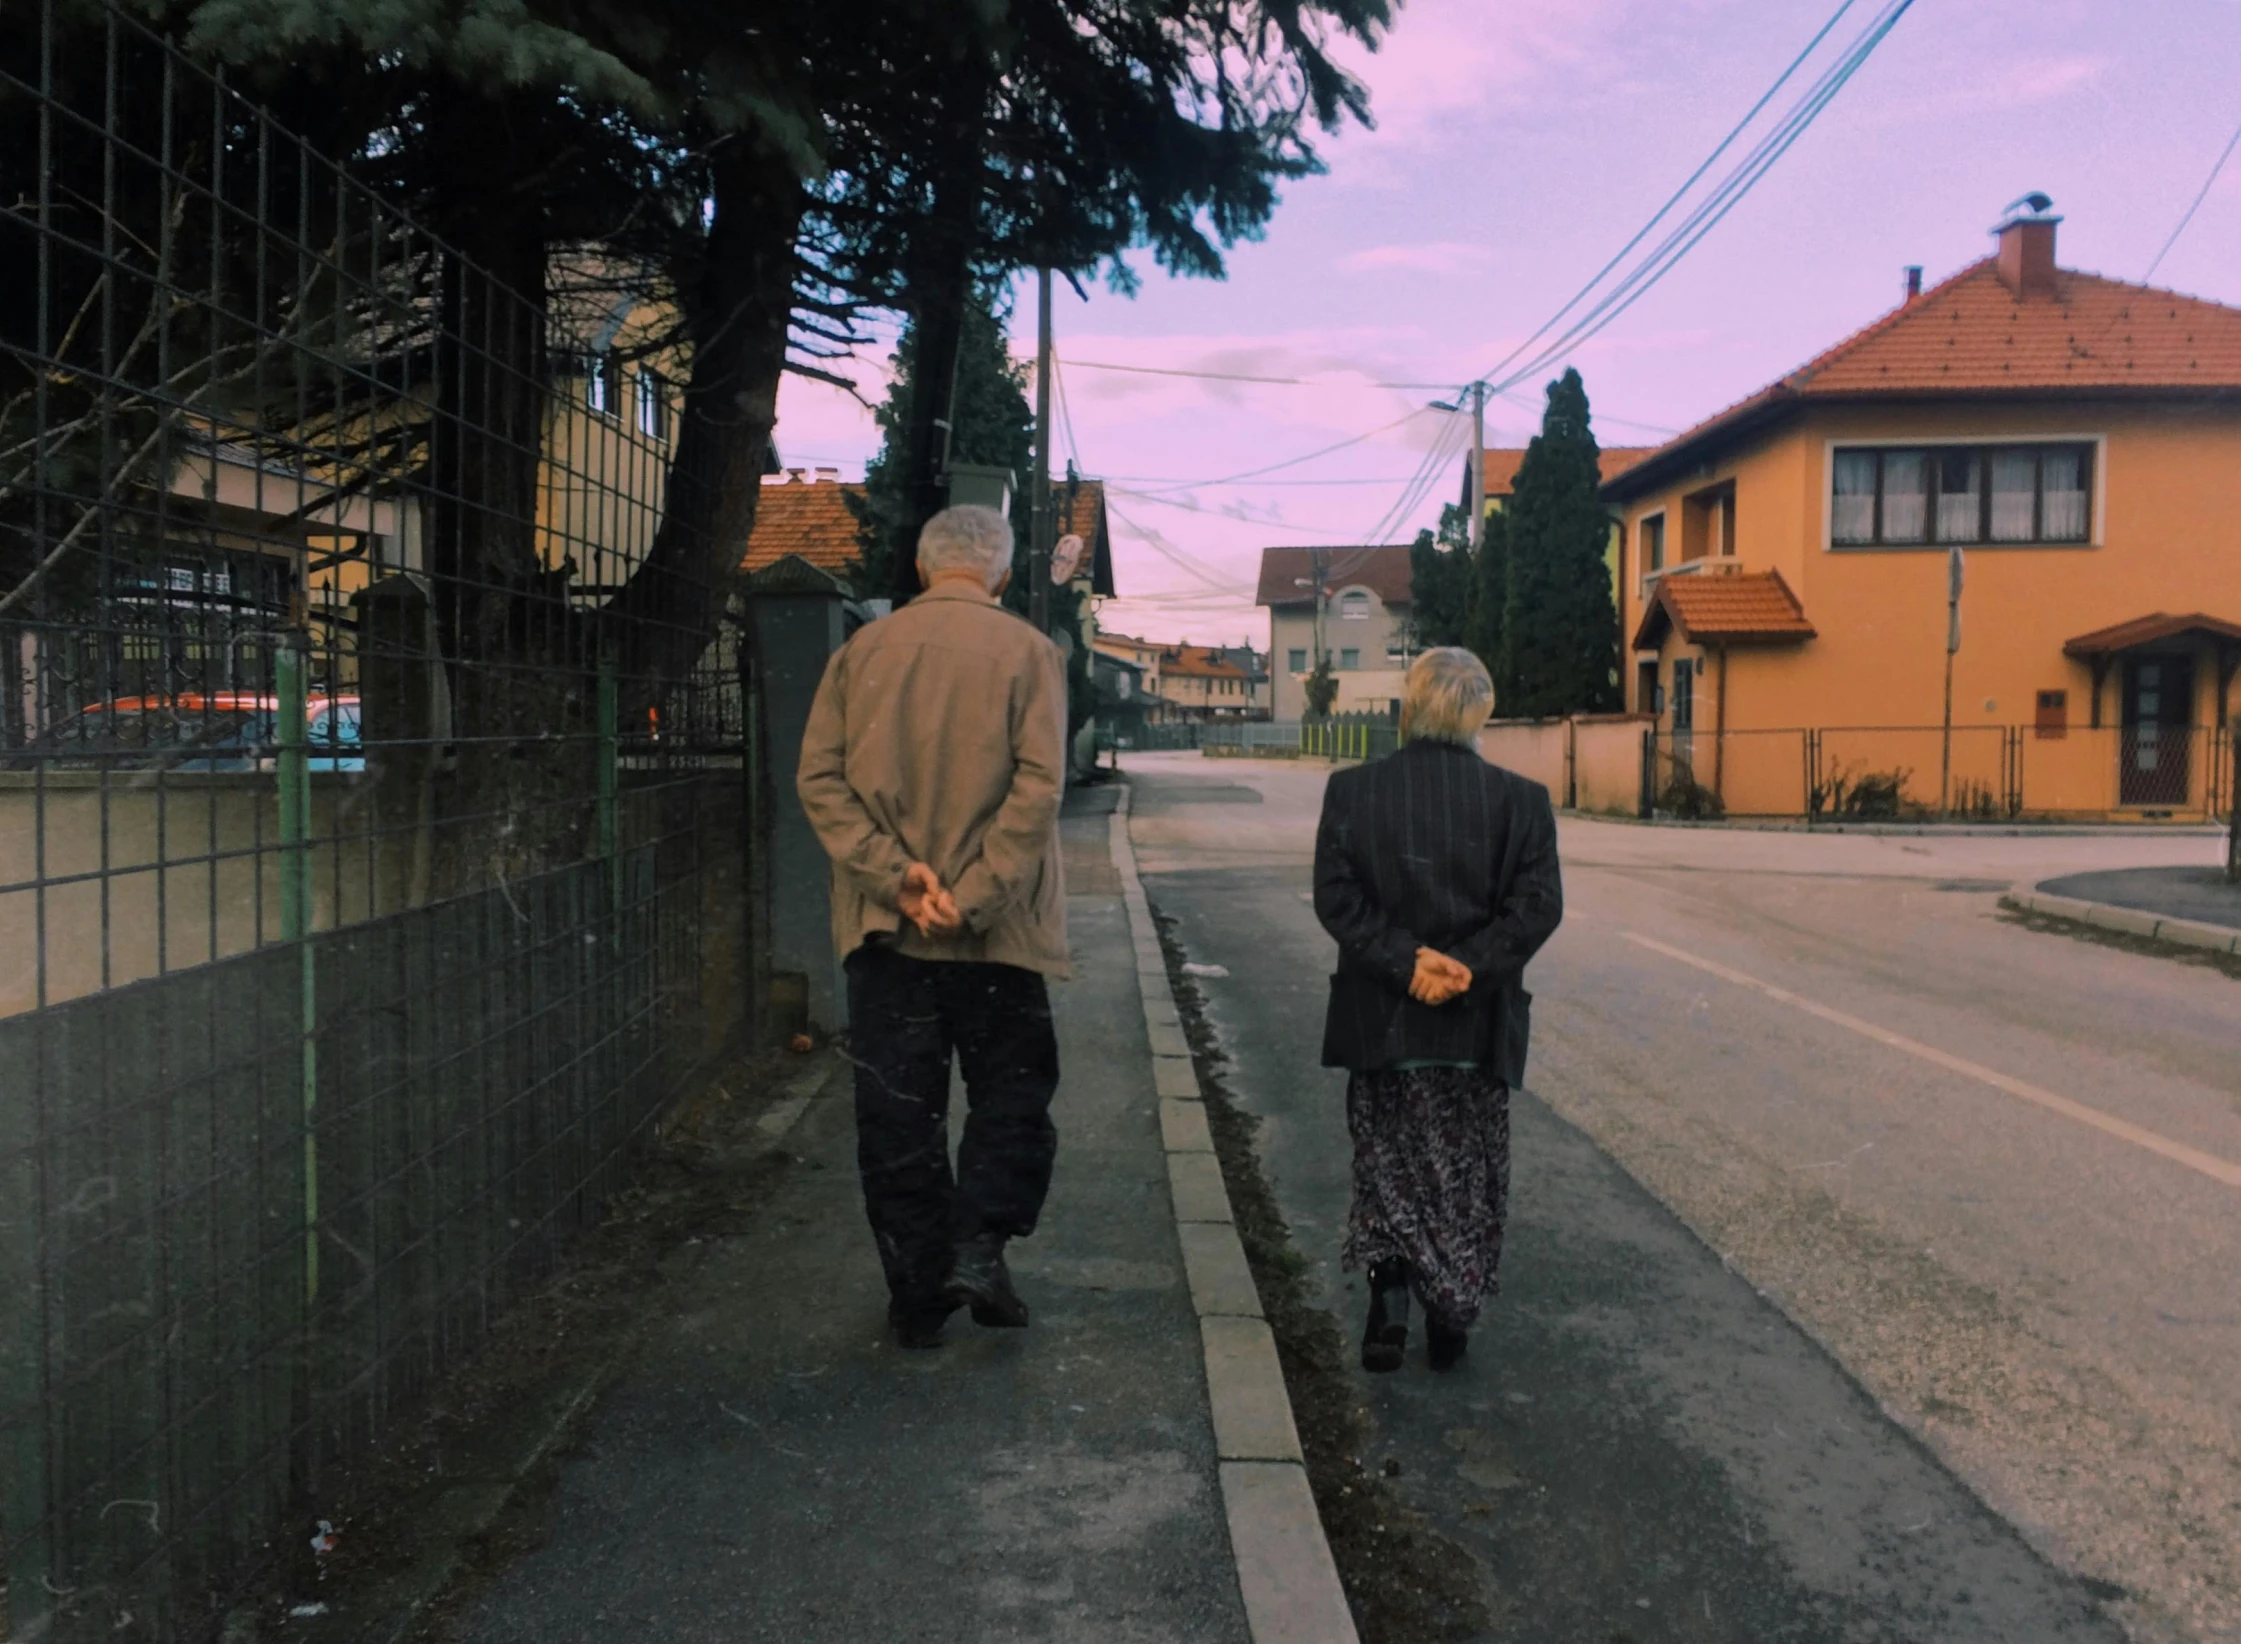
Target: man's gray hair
967	538
1448	698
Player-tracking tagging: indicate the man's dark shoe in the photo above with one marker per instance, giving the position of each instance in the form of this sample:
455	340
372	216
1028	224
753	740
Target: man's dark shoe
1385	1337
1443	1346
982	1282
918	1323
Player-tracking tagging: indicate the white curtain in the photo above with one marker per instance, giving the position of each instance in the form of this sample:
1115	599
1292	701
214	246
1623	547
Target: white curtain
2063	492
1906	495
2015	476
1960	487
1852	509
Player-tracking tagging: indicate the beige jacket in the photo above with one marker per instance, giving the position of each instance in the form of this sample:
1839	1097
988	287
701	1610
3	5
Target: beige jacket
938	735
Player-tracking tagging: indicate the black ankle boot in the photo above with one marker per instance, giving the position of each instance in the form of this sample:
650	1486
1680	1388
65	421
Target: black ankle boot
1443	1345
982	1282
1386	1336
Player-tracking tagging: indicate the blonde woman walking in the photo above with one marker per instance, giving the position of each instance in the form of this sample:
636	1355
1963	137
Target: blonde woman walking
1436	874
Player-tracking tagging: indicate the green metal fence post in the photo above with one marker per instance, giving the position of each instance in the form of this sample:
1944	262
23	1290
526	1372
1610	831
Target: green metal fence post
290	665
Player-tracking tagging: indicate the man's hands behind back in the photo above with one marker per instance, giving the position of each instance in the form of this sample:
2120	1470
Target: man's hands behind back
925	902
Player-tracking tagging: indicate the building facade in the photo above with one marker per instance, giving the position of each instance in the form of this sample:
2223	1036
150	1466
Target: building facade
1360	621
2062	450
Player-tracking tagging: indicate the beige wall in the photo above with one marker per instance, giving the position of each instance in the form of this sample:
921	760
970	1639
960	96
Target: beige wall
146	879
1368	689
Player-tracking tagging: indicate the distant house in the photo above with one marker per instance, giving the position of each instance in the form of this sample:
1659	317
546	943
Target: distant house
1355	601
1141	654
2077	438
1123	704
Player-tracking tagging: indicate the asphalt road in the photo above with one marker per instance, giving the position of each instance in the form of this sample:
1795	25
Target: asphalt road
1874	1267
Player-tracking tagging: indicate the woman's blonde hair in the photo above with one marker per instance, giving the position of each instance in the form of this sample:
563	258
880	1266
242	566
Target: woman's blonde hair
1448	698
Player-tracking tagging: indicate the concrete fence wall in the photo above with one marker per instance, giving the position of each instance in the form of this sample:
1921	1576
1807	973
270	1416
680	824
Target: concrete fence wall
1590	762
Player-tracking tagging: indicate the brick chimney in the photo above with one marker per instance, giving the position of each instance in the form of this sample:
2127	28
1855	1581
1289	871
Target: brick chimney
2027	253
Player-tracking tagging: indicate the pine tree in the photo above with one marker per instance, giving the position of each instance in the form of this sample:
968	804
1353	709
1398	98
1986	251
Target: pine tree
994	426
1559	638
1321	688
1440	581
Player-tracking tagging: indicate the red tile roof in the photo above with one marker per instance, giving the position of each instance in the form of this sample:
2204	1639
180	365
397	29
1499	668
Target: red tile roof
2150	630
1973	335
809	518
1751	609
1199	662
1384	571
1502	463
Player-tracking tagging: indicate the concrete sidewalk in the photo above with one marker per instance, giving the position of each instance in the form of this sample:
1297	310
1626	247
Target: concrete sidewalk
770	1466
2199	895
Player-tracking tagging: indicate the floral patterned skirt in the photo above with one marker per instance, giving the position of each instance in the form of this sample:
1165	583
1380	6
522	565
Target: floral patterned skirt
1431	1181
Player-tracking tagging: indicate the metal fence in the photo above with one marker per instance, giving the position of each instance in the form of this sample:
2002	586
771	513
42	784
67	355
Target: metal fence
1342	736
1981	773
371	862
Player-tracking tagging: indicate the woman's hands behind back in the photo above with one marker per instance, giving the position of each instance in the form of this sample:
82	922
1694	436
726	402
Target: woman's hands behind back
1438	978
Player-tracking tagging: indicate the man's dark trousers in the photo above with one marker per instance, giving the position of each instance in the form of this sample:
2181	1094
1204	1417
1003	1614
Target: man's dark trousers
906	1016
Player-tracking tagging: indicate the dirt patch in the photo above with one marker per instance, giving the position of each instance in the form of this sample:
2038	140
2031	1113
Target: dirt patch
1407	1583
396	1513
2228	964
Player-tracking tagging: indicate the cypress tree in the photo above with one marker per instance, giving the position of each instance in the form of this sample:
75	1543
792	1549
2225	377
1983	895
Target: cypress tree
1559	639
1489	591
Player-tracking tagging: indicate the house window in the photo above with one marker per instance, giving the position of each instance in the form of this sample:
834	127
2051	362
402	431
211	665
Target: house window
1950	494
1295	659
603	384
653	406
1349	656
1652	532
1353	608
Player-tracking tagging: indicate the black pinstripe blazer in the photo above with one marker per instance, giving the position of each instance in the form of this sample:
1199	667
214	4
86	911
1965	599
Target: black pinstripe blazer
1434	847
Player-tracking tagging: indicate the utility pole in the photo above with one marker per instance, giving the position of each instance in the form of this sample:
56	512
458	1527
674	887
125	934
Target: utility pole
1039	526
1478	466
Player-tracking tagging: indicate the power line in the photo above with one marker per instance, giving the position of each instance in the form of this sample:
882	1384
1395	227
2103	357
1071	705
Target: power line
1237	376
1294	462
1708	213
1200	508
2208	183
1680	193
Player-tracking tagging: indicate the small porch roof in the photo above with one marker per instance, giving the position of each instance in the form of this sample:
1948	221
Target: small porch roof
2155	629
1731	609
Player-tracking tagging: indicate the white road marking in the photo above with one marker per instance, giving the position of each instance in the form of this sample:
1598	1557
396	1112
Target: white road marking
2208	1164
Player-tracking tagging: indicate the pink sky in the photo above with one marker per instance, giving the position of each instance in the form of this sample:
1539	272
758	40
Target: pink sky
1518	148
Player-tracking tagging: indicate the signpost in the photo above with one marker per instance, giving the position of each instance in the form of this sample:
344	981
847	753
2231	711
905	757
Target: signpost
1956	572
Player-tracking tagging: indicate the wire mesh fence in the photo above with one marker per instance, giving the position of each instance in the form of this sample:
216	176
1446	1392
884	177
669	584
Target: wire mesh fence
371	839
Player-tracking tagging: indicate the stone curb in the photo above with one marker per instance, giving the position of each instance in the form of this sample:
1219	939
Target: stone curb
1285	1571
2185	933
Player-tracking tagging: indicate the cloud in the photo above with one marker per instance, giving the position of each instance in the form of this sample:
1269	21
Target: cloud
1443	257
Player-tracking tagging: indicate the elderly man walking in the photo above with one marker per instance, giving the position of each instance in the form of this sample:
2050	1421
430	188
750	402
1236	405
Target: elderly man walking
932	769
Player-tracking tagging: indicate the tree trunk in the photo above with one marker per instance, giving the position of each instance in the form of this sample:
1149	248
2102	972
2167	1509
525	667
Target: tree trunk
940	287
738	310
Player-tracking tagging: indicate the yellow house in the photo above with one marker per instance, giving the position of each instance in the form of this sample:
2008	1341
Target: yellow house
2065	449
